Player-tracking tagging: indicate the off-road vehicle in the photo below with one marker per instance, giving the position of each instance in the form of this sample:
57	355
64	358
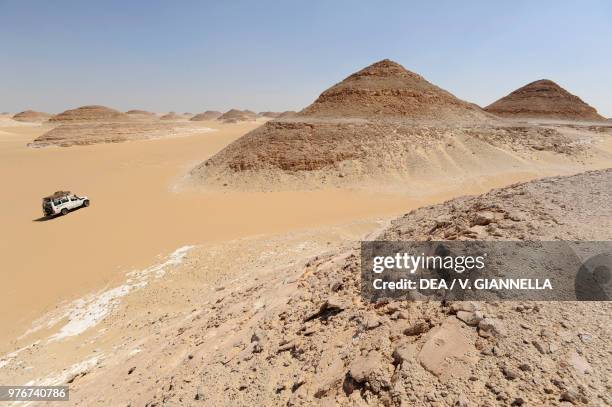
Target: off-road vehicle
61	202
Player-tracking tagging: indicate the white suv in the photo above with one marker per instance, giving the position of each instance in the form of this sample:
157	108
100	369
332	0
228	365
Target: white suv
62	202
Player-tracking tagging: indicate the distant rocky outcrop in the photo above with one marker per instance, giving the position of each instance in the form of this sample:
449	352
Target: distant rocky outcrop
543	99
31	116
270	115
207	115
79	134
91	113
172	116
141	115
235	115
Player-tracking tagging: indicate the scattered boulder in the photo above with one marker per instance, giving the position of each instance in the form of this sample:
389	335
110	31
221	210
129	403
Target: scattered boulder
449	350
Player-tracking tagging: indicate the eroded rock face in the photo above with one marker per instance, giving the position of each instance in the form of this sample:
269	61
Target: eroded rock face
543	99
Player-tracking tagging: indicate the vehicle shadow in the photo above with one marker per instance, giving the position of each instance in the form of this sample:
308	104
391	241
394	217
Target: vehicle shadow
44	218
52	217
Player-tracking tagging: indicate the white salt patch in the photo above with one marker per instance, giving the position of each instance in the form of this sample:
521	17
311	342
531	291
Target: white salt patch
88	311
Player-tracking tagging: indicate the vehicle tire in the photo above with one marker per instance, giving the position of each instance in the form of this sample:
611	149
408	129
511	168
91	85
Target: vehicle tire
86	203
64	211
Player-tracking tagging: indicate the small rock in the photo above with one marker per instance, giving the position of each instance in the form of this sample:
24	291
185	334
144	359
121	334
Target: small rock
335	285
483	218
464	306
403	353
461	401
470	318
541	347
371	321
362	367
525	367
417	328
509	373
200	394
569	395
491	327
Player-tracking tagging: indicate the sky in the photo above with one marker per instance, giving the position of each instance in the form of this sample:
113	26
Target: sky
280	55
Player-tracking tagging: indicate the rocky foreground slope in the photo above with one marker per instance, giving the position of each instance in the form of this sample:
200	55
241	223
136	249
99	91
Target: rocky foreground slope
543	99
302	335
383	124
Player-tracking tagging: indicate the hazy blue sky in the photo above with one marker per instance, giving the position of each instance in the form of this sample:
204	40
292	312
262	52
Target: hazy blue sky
279	55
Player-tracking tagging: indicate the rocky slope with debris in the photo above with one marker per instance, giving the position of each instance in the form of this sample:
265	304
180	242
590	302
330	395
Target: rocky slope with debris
543	99
297	332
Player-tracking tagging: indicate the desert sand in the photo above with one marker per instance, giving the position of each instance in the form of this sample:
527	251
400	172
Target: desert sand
278	319
137	213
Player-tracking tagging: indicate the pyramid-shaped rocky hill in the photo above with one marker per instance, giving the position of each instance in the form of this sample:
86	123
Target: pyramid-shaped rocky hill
31	116
207	115
91	113
383	122
543	99
387	89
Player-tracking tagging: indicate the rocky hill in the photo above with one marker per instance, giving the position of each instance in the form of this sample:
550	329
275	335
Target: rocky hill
207	115
383	124
235	115
387	89
543	99
92	113
31	116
